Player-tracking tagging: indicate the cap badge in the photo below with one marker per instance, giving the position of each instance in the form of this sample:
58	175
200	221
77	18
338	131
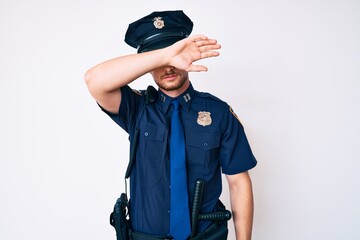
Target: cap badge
158	22
204	119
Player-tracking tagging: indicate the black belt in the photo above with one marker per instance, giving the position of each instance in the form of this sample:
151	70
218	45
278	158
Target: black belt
216	231
143	236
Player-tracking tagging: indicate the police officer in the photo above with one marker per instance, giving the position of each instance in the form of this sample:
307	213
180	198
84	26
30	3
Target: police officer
214	139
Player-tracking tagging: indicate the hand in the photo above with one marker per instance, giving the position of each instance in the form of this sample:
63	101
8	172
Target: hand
185	52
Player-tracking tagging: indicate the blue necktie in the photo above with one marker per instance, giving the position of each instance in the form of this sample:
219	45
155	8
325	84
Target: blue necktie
179	205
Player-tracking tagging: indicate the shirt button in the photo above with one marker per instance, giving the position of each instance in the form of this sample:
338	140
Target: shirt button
146	134
205	144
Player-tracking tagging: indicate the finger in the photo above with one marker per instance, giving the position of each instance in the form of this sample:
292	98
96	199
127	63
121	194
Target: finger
197	68
198	37
209	54
204	42
209	47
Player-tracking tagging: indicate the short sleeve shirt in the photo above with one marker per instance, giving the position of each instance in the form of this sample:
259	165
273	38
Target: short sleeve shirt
215	142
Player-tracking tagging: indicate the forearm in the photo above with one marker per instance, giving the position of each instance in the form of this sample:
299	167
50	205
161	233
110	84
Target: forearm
118	72
241	197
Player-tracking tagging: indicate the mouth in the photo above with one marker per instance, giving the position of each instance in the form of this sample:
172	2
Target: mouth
169	77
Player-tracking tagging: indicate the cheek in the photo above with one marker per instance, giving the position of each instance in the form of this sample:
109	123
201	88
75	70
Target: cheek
154	74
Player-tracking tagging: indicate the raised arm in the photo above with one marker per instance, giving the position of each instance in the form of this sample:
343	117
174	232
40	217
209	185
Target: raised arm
105	79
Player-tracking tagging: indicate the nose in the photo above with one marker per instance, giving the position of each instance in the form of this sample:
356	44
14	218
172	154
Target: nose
169	68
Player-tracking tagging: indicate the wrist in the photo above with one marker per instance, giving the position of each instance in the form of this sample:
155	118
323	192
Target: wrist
164	56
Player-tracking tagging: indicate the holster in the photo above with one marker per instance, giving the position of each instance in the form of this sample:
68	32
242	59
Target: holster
120	218
218	230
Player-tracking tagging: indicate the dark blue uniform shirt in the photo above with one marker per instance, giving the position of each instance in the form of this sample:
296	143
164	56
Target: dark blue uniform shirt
215	142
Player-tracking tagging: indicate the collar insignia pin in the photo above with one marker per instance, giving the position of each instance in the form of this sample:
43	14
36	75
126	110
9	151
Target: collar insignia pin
158	22
204	119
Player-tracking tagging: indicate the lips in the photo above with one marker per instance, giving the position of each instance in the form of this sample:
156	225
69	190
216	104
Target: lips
169	76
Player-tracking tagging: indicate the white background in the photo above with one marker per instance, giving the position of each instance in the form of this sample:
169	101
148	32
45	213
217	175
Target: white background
290	69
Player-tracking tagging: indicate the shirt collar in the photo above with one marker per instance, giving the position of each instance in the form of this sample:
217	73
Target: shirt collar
184	99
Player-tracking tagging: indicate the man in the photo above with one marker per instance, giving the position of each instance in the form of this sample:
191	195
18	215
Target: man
211	138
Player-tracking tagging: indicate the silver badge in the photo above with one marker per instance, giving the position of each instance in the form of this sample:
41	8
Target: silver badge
204	119
158	22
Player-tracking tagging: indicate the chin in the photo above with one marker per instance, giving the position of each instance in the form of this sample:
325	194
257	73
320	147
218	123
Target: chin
172	86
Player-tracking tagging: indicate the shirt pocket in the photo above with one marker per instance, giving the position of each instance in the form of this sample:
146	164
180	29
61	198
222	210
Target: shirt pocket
153	133
151	154
202	153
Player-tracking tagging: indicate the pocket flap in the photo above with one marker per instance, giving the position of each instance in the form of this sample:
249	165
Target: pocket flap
153	133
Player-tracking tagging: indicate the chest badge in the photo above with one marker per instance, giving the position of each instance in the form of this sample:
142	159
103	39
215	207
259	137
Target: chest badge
204	119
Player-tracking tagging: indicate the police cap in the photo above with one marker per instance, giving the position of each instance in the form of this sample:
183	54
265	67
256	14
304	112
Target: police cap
158	30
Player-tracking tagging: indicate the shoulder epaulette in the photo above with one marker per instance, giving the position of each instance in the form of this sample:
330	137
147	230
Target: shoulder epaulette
151	94
234	114
138	92
209	95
